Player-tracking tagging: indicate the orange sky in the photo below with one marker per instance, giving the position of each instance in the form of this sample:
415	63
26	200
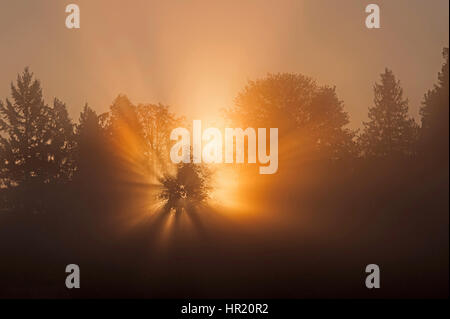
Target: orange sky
196	55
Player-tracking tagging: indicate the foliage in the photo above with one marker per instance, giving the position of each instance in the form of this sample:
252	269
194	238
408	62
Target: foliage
390	131
36	140
435	116
190	185
297	106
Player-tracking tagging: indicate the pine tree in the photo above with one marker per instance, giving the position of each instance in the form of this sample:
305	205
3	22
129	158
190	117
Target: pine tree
89	143
88	122
95	171
390	131
25	132
62	143
36	140
435	116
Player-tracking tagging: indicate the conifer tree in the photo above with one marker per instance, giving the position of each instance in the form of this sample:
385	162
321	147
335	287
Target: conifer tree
390	131
435	116
35	140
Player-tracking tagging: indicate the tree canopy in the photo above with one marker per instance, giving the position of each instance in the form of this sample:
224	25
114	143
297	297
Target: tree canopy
298	107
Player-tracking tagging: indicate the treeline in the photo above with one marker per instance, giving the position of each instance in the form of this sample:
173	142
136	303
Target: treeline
315	117
42	150
93	193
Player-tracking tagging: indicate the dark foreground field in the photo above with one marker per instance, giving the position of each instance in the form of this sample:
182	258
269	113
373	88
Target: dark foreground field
307	241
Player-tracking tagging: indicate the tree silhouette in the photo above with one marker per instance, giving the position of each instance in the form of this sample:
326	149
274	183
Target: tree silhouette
125	139
157	123
190	185
90	153
435	116
36	139
295	103
88	123
326	125
62	143
390	131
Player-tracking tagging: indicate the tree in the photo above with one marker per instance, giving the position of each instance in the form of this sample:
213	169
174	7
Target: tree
189	186
36	139
435	115
90	145
390	131
125	138
62	143
95	175
299	108
157	123
88	123
327	123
